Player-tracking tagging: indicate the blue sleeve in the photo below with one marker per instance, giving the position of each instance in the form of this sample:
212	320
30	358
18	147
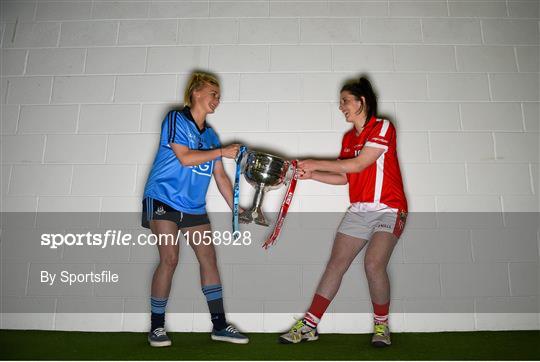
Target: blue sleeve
176	130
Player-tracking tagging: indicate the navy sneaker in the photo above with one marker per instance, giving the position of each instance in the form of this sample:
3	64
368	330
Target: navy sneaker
158	338
229	334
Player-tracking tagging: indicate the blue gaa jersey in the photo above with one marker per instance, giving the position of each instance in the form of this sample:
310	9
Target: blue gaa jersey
181	187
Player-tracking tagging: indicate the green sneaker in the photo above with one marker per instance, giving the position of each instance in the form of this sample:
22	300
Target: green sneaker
298	333
381	337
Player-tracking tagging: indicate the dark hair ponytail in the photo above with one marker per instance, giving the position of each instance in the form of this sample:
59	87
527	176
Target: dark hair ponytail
362	88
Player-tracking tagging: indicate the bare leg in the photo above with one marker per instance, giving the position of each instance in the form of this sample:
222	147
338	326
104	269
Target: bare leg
206	254
345	249
376	260
168	258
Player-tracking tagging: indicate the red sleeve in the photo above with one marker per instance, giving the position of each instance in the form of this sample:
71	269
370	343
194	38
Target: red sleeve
381	135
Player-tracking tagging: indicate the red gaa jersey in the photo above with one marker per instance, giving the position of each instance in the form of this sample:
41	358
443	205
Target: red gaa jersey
380	182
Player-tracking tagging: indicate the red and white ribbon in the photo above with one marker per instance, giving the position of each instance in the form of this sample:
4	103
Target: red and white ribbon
284	207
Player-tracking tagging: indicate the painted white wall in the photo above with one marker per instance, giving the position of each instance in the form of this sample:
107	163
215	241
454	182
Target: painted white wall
85	85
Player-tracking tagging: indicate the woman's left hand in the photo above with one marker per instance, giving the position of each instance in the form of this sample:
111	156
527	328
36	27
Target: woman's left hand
307	165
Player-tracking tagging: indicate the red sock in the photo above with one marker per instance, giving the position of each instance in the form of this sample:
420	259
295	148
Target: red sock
380	312
316	311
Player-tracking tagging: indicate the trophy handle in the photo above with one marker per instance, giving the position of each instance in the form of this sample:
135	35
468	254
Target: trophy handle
255	213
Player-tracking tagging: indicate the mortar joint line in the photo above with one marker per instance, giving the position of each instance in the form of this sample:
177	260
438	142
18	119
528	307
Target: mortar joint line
44	148
475	314
28	264
269	57
9	179
422	30
489	77
516	59
17	121
25	66
115	79
117	40
509	279
394	55
146	60
100	208
208	47
299	22
122	314
141	115
460	113
51	90
14	30
531	178
482	36
456	58
429	146
332	57
85	60
427	87
106	149
92	5
440	280
6	96
55	314
177	35
135	182
467	182
59	36
523	123
78	120
494	146
267	116
71	180
470	232
237	33
34	16
147	12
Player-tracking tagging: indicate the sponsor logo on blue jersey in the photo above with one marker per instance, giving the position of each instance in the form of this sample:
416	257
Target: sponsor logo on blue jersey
204	169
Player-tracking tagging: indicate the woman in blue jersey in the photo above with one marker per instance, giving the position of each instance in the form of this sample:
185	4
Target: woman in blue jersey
189	155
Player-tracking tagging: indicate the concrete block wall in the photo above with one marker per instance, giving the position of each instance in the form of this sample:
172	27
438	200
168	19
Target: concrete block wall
85	85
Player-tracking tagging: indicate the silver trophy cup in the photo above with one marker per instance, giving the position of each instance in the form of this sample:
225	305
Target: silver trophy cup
264	172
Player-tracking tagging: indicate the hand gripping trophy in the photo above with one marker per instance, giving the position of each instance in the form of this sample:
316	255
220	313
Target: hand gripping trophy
264	172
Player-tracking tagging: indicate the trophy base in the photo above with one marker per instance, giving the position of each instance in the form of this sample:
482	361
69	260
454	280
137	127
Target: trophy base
250	216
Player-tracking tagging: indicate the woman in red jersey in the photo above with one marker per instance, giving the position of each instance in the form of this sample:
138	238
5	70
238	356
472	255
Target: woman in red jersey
369	164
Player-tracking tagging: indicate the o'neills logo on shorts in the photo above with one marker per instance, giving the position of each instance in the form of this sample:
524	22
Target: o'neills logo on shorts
160	210
386	226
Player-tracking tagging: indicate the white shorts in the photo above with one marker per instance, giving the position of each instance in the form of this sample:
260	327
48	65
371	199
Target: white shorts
362	220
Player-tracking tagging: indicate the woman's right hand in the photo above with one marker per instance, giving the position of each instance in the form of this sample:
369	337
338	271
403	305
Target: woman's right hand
230	151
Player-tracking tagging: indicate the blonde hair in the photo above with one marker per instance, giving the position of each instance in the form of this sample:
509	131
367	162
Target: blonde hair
196	81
